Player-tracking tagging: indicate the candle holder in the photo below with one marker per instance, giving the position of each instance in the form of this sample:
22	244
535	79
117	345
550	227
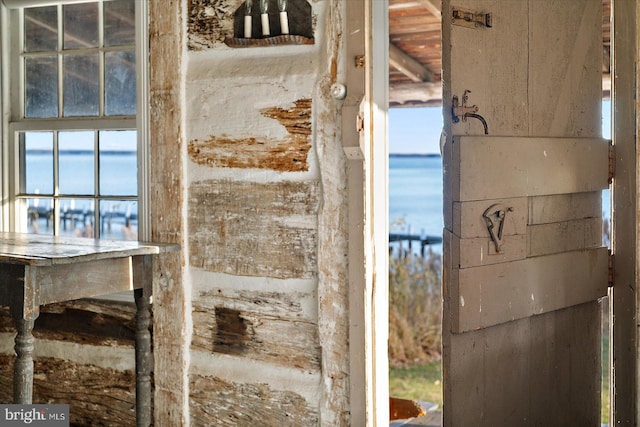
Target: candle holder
272	23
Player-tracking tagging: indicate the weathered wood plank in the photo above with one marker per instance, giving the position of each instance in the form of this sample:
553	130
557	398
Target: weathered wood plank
223	403
210	22
96	396
565	207
71	281
490	295
557	343
492	168
496	71
270	327
254	229
564	236
468	220
288	154
474	252
166	144
86	321
561	97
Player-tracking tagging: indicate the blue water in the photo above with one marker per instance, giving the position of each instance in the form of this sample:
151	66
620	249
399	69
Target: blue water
118	177
415	195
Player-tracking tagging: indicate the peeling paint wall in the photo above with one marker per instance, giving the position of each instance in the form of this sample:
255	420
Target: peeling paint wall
248	175
266	210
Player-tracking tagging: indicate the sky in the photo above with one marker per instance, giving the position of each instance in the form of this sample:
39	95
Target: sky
417	130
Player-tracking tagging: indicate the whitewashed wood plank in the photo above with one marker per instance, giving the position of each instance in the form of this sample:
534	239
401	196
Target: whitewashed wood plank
468	220
474	252
565	207
492	167
561	95
564	236
493	64
87	279
494	294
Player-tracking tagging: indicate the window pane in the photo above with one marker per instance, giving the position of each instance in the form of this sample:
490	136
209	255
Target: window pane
41	87
80	25
76	162
39	213
118	163
81	86
119	219
76	218
41	29
120	83
119	23
38	162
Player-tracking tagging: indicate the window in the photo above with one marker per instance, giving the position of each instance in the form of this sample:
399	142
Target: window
76	152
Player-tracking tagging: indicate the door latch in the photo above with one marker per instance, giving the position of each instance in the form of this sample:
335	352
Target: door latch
495	217
470	18
461	111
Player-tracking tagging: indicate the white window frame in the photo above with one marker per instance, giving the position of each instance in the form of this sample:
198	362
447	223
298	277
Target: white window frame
11	109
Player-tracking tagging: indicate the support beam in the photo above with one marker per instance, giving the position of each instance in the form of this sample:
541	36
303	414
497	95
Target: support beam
408	66
415	94
433	6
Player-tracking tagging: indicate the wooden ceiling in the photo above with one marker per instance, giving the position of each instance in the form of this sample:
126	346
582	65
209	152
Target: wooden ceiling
415	61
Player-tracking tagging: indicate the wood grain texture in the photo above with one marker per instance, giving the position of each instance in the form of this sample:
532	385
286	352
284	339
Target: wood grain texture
210	22
282	155
166	35
564	236
266	326
561	97
94	322
565	207
492	168
498	86
96	396
493	294
254	229
223	403
333	246
468	220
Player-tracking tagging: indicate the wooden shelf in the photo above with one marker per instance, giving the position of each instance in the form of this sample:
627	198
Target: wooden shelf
282	40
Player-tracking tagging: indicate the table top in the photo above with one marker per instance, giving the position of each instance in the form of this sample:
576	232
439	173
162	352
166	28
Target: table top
45	250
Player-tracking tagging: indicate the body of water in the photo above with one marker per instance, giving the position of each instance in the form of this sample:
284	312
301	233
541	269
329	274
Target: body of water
118	178
415	196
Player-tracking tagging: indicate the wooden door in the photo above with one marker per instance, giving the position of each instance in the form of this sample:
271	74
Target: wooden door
524	264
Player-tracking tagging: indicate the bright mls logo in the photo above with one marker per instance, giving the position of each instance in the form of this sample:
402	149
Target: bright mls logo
34	415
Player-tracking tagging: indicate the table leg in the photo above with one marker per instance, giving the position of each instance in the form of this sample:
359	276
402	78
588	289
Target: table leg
143	359
23	368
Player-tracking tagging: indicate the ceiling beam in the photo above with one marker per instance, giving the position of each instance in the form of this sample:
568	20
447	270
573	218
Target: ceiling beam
415	94
408	66
434	6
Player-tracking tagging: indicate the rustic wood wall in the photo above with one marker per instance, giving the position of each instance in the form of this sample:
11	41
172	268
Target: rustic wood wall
84	358
266	208
248	175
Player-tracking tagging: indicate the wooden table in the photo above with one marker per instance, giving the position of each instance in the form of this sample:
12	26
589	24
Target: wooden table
38	269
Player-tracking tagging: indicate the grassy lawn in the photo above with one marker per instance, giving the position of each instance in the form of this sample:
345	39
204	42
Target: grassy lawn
419	382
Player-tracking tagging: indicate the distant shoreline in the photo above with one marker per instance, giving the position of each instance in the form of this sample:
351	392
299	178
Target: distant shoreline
82	152
432	155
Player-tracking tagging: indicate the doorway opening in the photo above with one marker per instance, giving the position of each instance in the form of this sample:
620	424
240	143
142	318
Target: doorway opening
415	211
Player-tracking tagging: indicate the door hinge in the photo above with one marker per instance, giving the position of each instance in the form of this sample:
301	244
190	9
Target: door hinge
612	269
470	18
612	161
359	122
